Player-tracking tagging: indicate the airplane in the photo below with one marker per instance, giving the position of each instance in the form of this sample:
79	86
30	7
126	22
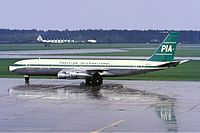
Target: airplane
60	41
93	70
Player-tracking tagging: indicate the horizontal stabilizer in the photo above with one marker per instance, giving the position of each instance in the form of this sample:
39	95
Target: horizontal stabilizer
181	62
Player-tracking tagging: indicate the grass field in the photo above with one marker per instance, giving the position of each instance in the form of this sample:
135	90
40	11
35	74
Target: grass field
187	71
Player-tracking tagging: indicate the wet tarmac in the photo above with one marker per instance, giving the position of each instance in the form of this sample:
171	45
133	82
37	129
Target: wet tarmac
54	105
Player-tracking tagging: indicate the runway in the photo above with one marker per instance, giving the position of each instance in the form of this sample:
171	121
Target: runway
54	105
58	54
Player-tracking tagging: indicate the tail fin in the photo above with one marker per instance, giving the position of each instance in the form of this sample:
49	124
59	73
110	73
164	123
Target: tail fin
167	48
39	39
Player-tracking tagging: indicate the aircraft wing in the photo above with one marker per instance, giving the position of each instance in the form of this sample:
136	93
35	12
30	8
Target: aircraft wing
84	70
78	73
92	71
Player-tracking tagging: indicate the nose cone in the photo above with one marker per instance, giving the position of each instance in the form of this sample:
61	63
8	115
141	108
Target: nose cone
11	68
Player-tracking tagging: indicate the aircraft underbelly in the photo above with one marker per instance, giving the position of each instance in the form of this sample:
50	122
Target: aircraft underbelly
124	72
39	71
54	71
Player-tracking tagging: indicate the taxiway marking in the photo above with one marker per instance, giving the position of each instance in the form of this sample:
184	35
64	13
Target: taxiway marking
110	125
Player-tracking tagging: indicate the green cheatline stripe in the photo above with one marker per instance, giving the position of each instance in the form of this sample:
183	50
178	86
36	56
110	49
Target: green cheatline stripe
43	65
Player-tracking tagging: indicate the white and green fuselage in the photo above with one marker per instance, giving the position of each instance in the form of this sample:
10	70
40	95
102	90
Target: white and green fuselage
104	67
163	58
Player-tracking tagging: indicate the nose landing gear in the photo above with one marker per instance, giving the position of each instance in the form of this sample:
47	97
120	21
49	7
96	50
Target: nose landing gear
26	77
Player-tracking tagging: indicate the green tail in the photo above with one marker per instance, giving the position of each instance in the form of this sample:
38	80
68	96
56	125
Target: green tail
166	50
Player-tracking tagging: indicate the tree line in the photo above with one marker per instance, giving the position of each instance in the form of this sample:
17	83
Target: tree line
102	36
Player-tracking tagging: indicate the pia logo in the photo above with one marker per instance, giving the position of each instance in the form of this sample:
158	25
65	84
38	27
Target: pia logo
166	48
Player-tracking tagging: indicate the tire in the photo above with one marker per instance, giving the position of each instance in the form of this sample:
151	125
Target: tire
26	80
97	79
88	81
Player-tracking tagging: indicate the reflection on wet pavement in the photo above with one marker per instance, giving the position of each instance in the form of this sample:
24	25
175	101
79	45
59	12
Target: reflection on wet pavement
112	92
62	92
166	112
115	93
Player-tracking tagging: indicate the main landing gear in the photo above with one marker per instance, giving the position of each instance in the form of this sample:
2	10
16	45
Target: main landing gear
26	77
95	80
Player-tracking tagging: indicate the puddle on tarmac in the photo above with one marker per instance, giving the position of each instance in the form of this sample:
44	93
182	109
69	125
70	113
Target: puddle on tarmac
116	93
111	92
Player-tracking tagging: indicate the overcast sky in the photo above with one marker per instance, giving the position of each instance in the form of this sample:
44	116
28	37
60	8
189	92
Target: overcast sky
100	14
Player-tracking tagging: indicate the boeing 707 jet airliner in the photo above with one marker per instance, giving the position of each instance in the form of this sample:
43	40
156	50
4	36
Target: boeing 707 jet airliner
93	70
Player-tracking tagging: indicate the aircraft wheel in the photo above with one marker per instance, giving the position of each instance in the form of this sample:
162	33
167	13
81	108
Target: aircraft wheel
88	81
26	79
97	79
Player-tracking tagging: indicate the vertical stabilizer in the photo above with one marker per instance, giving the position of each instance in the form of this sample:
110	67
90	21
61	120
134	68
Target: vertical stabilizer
39	39
167	49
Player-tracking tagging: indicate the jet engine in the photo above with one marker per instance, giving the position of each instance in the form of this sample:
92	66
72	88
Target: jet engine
72	75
